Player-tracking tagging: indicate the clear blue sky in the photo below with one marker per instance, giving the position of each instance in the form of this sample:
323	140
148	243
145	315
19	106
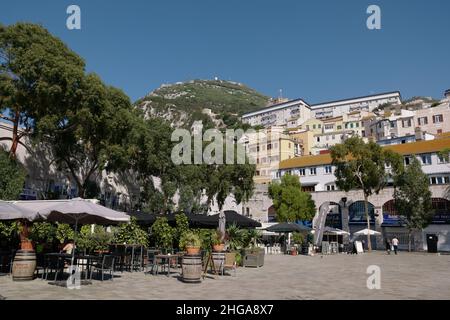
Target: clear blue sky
317	50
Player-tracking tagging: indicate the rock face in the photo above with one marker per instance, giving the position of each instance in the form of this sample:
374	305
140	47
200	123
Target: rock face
216	103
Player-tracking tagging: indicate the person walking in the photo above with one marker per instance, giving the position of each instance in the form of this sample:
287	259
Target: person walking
395	244
388	246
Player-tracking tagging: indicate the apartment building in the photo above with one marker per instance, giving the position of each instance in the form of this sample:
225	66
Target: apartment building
304	139
289	114
267	148
367	103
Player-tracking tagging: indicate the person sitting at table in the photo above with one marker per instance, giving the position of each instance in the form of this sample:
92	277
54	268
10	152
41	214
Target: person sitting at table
69	247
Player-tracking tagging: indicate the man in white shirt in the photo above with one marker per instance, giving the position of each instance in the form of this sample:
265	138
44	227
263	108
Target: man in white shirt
395	244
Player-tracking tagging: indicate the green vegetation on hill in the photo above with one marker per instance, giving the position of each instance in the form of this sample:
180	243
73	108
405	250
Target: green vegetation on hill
184	102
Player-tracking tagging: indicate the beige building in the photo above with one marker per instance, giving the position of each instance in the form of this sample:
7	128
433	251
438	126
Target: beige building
305	140
266	148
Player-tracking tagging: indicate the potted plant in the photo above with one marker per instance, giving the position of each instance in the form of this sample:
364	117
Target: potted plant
218	245
190	242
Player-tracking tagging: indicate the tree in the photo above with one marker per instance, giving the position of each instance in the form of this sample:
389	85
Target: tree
40	79
362	166
93	137
12	177
413	198
289	201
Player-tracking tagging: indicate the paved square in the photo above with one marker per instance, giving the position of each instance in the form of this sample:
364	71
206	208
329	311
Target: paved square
406	276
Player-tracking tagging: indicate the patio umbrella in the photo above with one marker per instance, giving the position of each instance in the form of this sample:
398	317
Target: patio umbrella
75	211
287	227
334	231
366	232
9	211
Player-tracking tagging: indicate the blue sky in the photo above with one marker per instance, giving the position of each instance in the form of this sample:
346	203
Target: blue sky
317	50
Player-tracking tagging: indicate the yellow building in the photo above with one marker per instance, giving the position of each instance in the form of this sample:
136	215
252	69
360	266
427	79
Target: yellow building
313	125
305	140
268	148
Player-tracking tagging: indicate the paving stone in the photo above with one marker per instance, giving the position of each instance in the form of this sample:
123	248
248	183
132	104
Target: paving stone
406	276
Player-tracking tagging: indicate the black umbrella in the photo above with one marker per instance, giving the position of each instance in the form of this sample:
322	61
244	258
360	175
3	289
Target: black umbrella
288	227
234	218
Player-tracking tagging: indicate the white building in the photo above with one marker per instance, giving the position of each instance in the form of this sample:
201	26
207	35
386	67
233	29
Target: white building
366	103
291	113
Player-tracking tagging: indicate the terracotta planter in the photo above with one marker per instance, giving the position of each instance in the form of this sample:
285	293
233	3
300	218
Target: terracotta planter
219	247
294	252
26	245
192	251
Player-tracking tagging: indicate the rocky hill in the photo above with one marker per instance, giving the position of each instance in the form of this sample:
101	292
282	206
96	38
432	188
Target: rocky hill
215	102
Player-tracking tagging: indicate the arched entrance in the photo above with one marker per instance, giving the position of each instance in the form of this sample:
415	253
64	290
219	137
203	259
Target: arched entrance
357	214
357	220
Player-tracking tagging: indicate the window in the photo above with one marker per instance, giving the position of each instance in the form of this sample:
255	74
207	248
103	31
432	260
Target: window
351	125
312	171
320	126
441	159
439	118
406	123
407	161
339	127
314	127
331	187
328	169
426	159
248	212
302	172
318	139
357	124
422	121
269	146
392	124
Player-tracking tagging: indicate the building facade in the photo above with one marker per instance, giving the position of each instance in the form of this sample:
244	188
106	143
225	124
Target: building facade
366	103
289	114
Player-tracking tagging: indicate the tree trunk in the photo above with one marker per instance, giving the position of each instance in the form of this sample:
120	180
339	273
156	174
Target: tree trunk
409	240
15	136
366	209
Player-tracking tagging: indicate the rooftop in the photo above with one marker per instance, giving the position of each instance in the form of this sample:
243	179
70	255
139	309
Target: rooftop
403	149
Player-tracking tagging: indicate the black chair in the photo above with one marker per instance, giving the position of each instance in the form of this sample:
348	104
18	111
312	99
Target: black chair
138	258
154	263
6	262
53	263
106	265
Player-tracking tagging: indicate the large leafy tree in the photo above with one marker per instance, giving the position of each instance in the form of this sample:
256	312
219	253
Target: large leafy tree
12	177
40	80
364	166
413	198
93	137
289	201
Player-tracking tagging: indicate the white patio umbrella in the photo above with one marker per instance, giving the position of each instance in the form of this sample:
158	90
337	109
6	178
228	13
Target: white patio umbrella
366	232
9	211
75	211
334	231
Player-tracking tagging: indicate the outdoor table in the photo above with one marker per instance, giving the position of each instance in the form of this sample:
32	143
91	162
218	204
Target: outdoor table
166	259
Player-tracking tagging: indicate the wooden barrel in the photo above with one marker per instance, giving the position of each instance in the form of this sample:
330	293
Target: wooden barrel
192	268
24	265
219	261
